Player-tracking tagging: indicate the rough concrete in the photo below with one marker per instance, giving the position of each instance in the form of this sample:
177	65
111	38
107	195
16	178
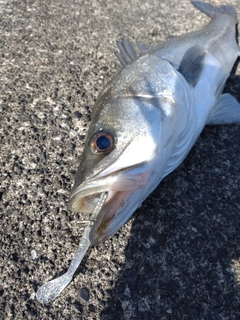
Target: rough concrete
178	257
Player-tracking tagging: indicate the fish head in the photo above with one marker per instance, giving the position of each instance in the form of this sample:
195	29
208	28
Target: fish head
121	146
118	148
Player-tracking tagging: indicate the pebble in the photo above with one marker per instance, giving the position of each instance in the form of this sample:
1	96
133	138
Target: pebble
84	294
78	114
33	254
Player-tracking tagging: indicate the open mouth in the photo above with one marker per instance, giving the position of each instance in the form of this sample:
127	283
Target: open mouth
115	210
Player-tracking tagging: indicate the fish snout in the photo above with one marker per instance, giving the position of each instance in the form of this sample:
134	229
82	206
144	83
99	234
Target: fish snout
119	186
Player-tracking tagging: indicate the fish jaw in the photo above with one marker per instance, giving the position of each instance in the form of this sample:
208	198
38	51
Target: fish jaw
114	214
115	211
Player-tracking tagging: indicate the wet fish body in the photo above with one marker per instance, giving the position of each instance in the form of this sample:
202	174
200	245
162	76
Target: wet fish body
150	115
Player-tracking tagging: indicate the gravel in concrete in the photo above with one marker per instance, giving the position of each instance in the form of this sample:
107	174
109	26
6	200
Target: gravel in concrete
178	257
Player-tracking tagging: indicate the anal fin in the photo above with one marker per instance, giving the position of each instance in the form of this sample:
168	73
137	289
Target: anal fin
226	110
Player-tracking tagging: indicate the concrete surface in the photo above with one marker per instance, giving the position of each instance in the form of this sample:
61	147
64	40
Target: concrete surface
178	257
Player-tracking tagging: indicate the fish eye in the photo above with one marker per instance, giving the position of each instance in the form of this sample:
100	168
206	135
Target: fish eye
101	142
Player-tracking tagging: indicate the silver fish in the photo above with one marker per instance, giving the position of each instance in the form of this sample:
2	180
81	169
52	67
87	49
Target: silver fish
161	99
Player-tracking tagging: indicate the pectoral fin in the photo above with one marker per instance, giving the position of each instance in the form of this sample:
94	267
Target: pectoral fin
226	110
192	64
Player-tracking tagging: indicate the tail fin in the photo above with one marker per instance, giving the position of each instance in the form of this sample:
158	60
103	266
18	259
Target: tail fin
212	11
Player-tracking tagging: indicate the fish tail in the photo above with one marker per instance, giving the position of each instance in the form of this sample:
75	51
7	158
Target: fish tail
212	11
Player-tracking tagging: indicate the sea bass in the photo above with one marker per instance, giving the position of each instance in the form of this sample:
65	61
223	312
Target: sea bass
161	99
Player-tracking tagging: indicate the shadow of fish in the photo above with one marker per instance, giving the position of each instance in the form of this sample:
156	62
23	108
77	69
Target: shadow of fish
161	99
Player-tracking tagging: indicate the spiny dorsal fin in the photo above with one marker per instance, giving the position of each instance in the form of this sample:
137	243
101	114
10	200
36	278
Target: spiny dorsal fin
192	64
129	52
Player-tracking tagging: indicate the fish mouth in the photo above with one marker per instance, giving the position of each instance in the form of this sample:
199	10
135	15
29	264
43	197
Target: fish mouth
118	206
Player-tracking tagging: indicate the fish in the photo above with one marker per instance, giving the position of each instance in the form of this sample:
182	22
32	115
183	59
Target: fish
149	116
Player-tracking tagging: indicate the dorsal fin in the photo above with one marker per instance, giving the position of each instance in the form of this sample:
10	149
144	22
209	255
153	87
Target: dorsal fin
129	52
192	64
